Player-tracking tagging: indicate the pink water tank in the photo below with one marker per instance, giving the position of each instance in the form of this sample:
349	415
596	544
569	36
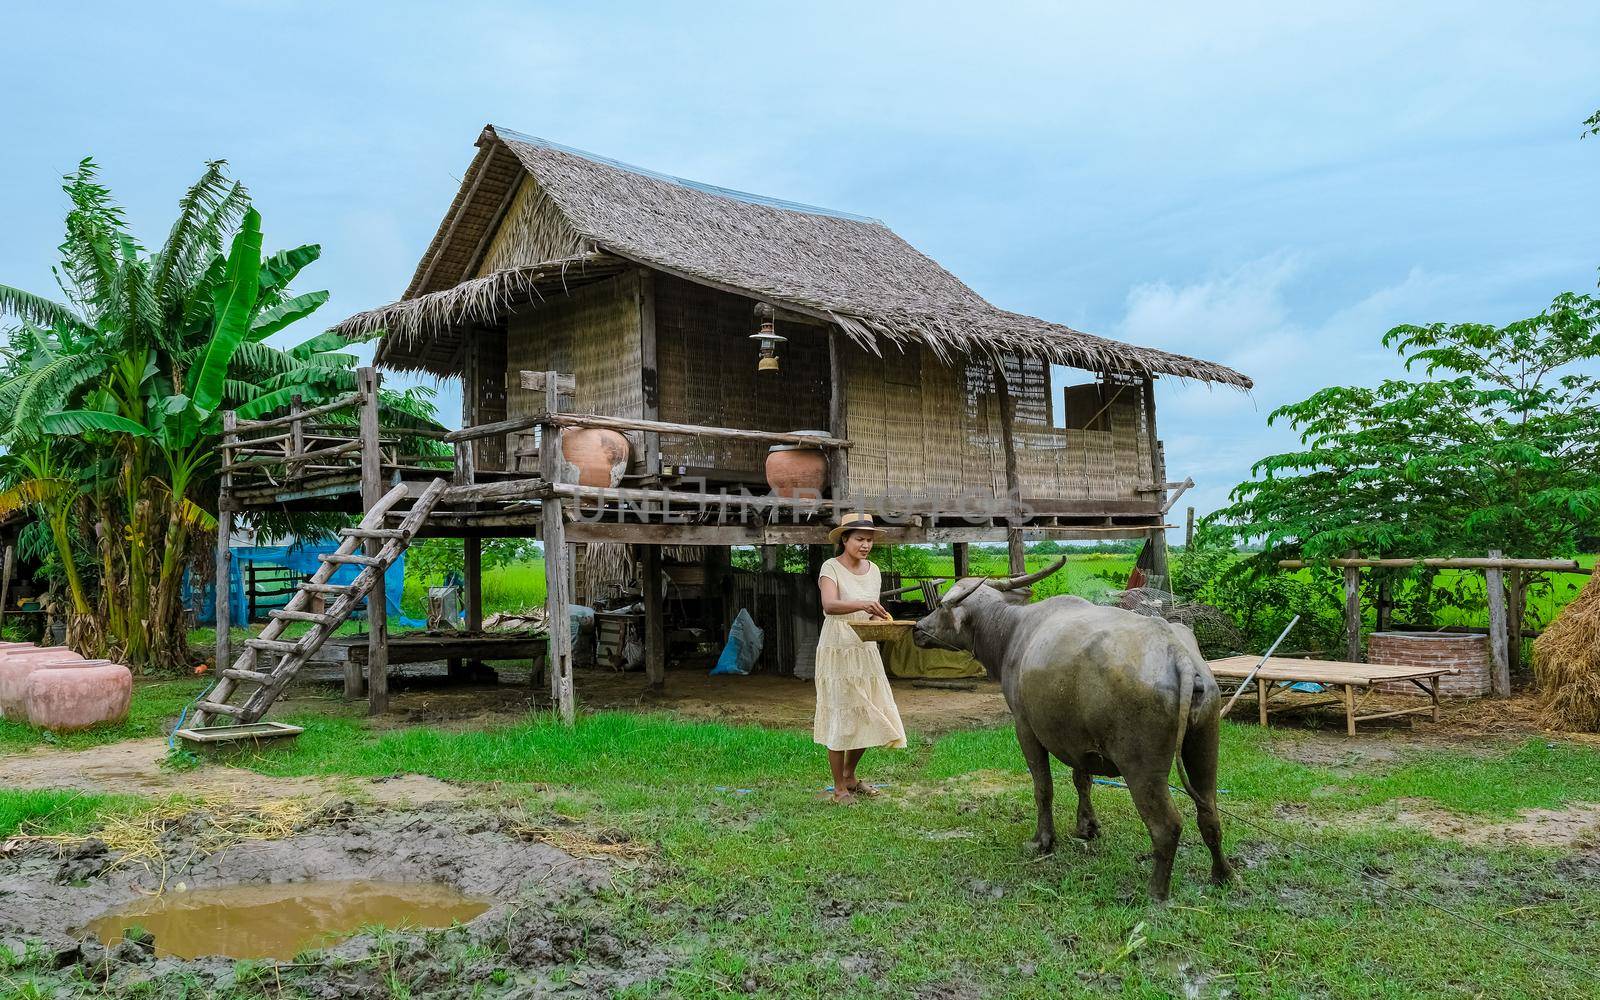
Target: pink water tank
16	665
64	694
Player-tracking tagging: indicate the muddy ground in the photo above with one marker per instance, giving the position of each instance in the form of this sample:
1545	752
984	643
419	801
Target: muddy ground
540	933
421	695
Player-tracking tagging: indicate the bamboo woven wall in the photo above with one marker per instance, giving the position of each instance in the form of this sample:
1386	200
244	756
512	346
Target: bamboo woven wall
592	332
531	232
922	429
706	365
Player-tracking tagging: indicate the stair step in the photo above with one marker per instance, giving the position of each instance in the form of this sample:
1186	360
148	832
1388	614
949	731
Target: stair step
303	616
274	646
354	560
372	533
325	588
253	676
218	708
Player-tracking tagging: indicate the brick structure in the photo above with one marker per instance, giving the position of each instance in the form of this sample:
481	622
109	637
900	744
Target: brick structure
1468	654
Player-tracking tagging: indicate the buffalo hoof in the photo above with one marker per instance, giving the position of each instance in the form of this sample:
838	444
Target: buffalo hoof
1087	829
1222	874
1042	844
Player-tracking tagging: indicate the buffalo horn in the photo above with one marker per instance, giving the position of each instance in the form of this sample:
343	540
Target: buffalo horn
1026	579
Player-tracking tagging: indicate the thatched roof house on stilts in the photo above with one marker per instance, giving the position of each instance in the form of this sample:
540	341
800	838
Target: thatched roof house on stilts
648	297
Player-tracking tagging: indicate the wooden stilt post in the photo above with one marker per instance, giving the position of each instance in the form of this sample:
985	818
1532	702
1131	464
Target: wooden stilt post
655	633
962	559
838	420
1385	604
1188	532
5	585
1160	570
222	656
1516	609
557	616
1499	666
1016	556
472	567
1352	613
372	491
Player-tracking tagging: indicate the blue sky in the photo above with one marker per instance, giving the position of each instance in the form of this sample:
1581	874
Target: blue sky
1266	186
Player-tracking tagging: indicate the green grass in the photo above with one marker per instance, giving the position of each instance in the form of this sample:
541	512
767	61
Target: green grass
756	877
48	811
155	707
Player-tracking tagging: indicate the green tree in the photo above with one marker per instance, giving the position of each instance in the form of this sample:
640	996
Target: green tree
110	398
1496	448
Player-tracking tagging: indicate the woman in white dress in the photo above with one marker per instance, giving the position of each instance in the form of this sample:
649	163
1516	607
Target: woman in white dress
855	708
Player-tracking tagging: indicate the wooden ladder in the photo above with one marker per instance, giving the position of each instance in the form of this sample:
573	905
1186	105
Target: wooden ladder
268	685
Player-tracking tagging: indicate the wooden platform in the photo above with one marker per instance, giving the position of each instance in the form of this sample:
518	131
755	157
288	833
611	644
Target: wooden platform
1347	677
426	647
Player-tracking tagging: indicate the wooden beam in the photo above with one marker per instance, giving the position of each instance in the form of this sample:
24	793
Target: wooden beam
372	491
1499	665
557	617
1352	614
456	217
222	655
1535	565
838	417
1516	610
655	634
472	571
649	375
5	585
566	385
963	559
244	426
1188	532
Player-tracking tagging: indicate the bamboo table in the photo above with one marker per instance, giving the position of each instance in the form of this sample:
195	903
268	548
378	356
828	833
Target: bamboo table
1334	673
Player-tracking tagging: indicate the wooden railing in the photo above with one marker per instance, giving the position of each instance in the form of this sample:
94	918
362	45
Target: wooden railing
329	438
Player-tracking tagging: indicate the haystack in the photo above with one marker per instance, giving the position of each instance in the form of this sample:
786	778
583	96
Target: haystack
1566	663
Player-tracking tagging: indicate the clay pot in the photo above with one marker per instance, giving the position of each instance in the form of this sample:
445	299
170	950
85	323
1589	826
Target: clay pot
15	668
797	469
595	456
65	695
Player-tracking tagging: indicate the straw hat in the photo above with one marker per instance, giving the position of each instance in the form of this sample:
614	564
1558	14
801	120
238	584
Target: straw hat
855	521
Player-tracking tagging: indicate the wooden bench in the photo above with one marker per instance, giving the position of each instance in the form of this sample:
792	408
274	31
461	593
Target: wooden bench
1336	674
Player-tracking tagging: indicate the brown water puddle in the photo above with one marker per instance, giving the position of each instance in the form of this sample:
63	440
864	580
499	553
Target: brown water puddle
280	921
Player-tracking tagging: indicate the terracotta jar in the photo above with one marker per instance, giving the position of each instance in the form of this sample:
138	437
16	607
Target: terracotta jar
15	668
66	695
795	470
594	456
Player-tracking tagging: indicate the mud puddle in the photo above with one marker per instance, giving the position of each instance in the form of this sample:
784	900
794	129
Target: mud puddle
281	921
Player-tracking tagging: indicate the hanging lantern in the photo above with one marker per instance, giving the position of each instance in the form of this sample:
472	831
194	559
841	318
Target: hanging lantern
767	336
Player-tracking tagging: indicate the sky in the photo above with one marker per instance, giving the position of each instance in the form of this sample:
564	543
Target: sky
1271	186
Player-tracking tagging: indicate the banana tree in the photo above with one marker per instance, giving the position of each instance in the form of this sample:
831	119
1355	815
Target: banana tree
132	370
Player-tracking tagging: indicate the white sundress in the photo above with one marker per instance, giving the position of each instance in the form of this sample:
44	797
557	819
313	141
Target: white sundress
855	707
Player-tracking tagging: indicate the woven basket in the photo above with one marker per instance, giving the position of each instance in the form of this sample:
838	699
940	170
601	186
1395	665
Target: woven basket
881	631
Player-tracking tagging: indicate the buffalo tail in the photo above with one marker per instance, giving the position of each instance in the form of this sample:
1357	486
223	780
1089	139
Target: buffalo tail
1185	667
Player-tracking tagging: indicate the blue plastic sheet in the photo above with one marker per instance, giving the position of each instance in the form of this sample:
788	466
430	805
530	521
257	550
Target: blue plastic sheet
301	559
743	648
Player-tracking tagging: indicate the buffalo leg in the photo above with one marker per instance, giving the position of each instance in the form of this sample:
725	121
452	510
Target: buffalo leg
1200	764
1088	825
1150	797
1038	758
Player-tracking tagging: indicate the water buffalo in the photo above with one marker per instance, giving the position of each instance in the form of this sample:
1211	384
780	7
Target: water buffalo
1106	691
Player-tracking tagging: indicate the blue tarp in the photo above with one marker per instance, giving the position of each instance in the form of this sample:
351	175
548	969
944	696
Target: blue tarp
300	558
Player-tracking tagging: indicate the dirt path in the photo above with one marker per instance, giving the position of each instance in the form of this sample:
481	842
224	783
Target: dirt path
134	768
759	699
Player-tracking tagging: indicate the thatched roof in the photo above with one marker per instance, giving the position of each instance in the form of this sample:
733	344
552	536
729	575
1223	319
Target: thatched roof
838	268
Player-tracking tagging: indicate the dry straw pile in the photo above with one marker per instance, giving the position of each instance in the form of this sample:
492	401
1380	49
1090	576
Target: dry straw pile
1566	663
